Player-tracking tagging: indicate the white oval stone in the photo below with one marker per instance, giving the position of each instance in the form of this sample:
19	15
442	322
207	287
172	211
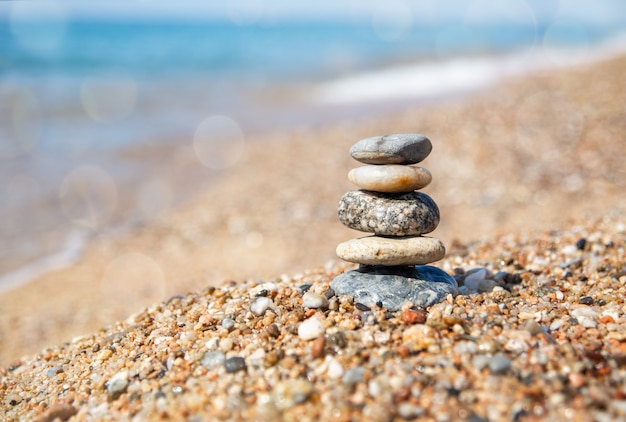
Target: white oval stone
376	250
311	328
314	301
260	304
390	178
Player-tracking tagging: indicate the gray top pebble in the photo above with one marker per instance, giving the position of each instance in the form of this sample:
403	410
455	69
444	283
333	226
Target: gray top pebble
403	148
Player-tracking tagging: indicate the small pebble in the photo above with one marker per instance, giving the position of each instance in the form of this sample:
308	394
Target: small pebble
213	359
586	316
317	347
353	376
311	328
235	364
499	364
117	384
54	370
409	411
260	304
273	330
361	307
335	370
314	300
228	324
287	394
480	362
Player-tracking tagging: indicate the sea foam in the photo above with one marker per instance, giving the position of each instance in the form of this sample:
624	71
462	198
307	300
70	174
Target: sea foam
440	78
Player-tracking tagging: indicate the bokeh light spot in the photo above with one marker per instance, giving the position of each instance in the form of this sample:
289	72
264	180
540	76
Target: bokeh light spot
88	196
38	26
107	98
20	122
393	20
132	280
219	142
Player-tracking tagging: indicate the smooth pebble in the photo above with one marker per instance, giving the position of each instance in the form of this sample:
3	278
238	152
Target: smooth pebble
314	300
392	178
260	304
118	384
499	364
407	410
335	370
392	287
235	364
353	376
228	324
376	250
289	393
388	214
403	148
213	359
311	328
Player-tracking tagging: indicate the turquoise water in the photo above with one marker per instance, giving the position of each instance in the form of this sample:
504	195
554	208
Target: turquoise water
74	93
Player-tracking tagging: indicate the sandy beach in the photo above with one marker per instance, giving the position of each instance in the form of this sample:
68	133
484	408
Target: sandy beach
520	171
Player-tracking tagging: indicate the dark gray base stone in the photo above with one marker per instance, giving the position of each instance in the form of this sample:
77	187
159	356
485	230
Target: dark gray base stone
392	287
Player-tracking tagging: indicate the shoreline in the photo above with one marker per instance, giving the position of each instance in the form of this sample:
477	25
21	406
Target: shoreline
323	110
363	104
499	157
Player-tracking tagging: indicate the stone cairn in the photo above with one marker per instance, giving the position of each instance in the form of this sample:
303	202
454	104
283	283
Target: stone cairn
392	270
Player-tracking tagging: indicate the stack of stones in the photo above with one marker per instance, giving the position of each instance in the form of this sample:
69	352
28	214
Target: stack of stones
392	270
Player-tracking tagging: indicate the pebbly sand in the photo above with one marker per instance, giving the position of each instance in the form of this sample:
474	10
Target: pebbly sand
521	173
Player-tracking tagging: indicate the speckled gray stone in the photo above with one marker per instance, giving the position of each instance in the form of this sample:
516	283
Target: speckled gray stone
392	287
402	148
387	214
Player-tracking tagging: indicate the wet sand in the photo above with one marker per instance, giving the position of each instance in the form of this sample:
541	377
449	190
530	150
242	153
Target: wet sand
532	154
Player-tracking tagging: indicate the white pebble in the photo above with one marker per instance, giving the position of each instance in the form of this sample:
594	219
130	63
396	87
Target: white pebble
335	370
569	250
212	360
314	300
382	337
556	324
311	328
407	410
374	388
260	304
585	316
118	382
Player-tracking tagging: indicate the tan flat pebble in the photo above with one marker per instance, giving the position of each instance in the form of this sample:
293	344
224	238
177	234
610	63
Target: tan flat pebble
390	178
376	250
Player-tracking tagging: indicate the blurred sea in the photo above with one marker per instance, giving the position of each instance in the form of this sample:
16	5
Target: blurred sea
86	104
